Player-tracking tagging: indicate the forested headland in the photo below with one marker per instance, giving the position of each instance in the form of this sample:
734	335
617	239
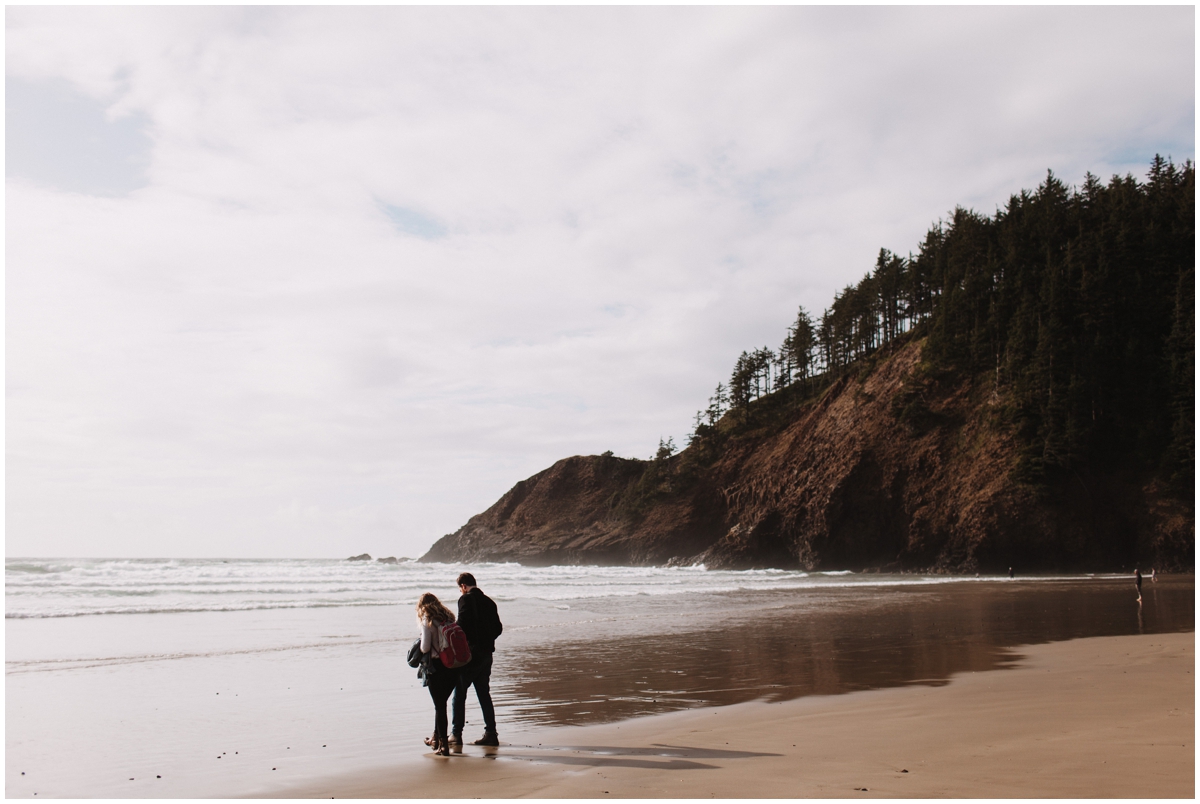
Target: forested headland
1018	389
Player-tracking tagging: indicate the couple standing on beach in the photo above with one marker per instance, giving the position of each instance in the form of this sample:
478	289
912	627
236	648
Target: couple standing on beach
479	622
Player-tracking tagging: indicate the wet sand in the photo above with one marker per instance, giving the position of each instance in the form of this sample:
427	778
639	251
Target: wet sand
1106	716
730	649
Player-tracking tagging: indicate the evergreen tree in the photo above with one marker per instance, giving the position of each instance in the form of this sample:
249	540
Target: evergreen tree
718	403
797	349
665	449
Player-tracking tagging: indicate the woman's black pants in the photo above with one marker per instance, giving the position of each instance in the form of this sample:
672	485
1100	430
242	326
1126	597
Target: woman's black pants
441	684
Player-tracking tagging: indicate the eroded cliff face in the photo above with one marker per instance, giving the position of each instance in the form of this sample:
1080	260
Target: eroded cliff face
843	482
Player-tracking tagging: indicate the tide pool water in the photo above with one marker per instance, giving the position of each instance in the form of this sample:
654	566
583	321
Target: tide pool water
207	677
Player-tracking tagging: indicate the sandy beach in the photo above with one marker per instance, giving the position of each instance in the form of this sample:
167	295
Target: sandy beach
1097	717
605	679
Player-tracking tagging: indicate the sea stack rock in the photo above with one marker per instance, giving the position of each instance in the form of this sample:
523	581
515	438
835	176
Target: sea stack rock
363	557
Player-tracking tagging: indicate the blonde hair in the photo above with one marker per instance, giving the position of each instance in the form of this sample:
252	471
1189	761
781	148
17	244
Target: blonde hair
430	610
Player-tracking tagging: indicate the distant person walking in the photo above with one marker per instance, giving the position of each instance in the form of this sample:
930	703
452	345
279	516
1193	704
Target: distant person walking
479	619
1137	581
442	680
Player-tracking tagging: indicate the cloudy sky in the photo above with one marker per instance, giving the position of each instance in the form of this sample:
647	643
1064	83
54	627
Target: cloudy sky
318	281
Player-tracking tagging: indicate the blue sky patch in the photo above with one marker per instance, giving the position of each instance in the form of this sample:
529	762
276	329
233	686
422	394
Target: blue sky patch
410	222
58	137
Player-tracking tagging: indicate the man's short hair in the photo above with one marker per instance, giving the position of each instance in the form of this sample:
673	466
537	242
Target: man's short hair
466	579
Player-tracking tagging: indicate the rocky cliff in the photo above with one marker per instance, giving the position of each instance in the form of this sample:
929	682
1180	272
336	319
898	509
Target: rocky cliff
886	469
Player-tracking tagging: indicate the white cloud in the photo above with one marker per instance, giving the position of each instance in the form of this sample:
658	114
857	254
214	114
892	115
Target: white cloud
389	261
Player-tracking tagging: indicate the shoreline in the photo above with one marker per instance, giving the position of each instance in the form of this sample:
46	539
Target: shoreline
254	702
1094	717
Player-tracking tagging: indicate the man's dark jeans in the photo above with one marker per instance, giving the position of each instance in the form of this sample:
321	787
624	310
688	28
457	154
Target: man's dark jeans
478	674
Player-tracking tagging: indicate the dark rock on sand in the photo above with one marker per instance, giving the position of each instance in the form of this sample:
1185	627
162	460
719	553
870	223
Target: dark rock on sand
845	480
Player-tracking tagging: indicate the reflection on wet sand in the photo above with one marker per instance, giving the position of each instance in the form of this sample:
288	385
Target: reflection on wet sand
783	645
655	757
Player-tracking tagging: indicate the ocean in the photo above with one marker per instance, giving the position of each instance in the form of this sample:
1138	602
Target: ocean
43	588
210	677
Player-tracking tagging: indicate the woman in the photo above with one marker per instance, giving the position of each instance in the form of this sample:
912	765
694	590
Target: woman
432	615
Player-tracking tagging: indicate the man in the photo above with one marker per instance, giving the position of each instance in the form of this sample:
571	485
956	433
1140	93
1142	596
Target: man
479	620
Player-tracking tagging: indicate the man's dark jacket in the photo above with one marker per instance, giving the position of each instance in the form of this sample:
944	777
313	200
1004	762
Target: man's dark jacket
479	620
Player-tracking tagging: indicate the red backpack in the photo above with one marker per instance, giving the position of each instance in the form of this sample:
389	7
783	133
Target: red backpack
454	652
